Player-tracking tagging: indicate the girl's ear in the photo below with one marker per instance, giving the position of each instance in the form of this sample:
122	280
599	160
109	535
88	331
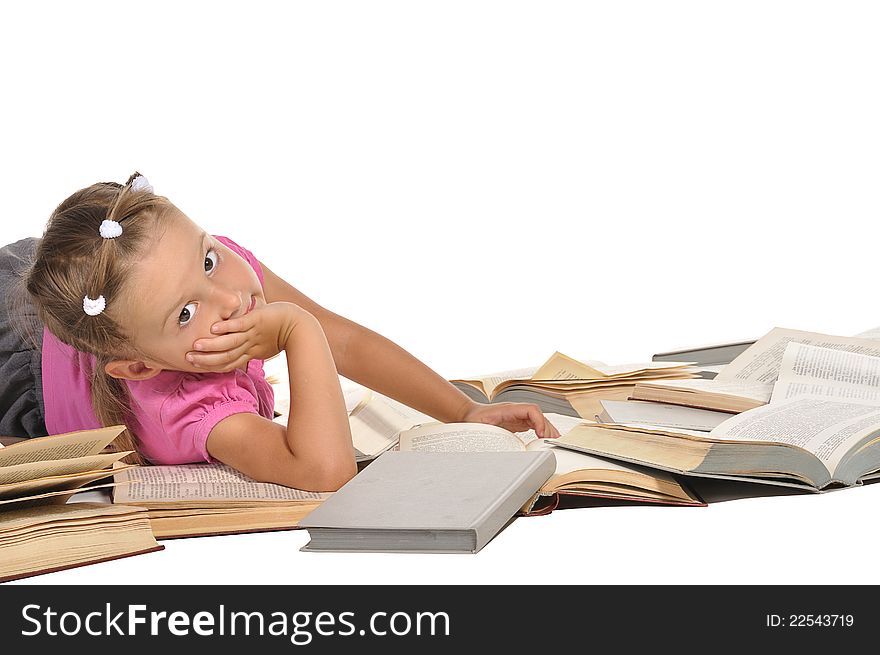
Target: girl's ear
130	369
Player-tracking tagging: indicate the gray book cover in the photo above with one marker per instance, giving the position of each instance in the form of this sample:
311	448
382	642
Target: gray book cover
711	355
416	501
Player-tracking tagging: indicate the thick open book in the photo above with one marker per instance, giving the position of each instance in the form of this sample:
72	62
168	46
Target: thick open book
820	430
563	385
38	532
576	476
191	500
747	381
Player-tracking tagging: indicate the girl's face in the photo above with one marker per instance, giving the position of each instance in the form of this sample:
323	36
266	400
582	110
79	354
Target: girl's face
184	285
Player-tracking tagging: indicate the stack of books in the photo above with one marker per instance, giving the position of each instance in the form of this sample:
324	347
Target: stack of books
39	531
795	409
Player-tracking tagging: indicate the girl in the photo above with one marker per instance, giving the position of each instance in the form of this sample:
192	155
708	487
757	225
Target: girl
127	312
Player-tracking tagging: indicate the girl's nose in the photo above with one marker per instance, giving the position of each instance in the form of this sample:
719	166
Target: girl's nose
229	300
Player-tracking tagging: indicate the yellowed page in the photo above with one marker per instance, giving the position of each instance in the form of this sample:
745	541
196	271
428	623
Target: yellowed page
459	437
492	380
54	495
753	390
563	367
686	455
57	467
33	516
587	403
69	482
60	446
198	483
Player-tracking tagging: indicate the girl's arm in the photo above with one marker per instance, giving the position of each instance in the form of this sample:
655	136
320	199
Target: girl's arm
372	360
315	450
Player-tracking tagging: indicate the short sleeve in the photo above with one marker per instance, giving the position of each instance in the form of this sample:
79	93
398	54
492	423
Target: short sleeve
188	414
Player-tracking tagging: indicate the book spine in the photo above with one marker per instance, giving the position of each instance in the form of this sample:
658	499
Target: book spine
493	519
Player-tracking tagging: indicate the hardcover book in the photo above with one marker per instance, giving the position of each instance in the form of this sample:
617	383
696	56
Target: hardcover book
427	502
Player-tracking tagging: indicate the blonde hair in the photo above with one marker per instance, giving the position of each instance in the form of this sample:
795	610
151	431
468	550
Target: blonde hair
73	260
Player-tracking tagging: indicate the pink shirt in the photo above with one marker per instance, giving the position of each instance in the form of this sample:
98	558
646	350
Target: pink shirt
174	411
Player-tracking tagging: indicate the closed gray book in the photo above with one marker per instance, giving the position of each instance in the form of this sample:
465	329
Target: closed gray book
428	502
711	355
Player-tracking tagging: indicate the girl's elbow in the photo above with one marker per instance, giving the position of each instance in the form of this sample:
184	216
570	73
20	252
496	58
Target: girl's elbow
336	476
328	477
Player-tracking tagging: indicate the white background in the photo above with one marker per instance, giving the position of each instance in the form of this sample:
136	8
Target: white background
485	183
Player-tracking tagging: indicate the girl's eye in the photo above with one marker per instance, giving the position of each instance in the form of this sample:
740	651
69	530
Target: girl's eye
186	314
210	263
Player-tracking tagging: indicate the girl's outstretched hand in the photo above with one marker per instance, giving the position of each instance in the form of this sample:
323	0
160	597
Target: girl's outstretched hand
260	334
516	417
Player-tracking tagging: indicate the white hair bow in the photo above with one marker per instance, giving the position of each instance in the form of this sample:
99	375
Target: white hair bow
93	307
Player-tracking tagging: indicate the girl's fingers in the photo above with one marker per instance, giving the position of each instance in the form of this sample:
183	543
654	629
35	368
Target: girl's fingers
217	344
239	324
536	419
229	341
216	360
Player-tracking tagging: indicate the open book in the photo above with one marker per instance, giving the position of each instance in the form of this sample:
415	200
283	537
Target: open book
576	474
375	422
747	381
38	532
820	430
563	385
191	500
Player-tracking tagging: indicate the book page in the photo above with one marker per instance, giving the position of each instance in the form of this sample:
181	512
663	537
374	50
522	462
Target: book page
459	437
57	467
761	361
200	482
660	414
826	428
563	367
377	420
645	369
60	446
827	373
568	460
753	390
492	380
561	422
873	333
56	495
42	515
69	482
